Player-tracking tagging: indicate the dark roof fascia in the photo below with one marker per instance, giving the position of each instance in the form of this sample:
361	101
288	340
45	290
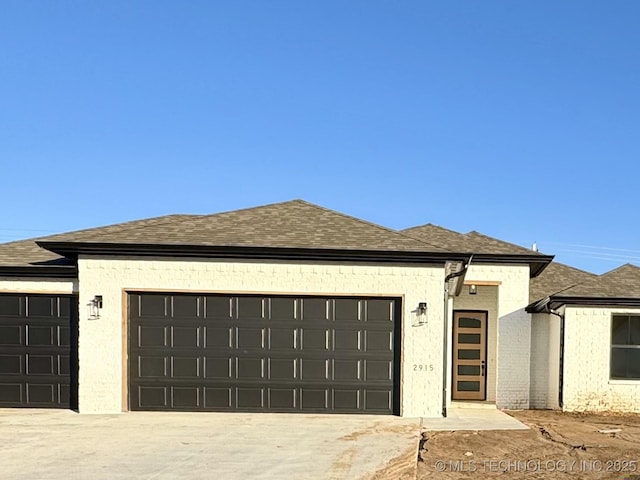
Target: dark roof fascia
537	263
73	249
40	271
557	301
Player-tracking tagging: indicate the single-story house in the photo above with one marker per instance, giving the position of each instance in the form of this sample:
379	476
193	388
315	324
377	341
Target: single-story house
292	307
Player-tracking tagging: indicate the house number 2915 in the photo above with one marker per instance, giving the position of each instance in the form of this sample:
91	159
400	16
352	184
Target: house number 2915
422	367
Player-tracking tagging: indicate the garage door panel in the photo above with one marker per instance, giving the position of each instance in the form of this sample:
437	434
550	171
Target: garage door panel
218	398
283	339
218	337
218	308
152	397
37	354
42	394
64	365
346	399
315	369
185	307
185	397
250	307
250	368
379	341
185	367
315	309
280	354
250	398
347	340
283	309
380	311
41	307
348	310
41	364
314	399
152	306
313	339
250	337
152	336
11	365
282	398
152	367
282	368
11	334
377	399
41	336
12	394
185	337
378	370
219	368
348	370
12	306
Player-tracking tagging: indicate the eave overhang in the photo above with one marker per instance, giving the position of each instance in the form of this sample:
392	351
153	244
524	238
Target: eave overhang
73	249
537	263
554	302
40	271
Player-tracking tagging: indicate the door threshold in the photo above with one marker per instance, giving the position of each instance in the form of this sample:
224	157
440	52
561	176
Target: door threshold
473	404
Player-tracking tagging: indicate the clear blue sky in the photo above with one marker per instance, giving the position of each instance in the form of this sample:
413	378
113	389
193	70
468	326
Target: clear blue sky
517	119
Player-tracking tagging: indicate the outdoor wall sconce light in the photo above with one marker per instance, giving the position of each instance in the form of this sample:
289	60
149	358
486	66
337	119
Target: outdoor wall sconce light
473	289
420	314
95	305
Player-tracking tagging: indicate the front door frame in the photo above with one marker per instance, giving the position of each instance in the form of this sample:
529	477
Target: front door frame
470	396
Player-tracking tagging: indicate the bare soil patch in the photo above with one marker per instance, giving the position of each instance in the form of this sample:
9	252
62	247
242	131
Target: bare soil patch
558	445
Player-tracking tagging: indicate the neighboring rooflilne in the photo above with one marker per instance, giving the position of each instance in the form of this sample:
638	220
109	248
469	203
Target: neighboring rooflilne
618	287
485	249
556	277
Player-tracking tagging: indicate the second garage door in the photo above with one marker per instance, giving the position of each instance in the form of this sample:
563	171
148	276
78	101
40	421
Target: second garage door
267	354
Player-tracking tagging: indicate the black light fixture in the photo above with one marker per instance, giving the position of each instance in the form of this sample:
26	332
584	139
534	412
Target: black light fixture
95	305
473	289
422	308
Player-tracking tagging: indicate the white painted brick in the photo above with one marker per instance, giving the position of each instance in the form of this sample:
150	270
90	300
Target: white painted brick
587	386
513	331
36	285
101	348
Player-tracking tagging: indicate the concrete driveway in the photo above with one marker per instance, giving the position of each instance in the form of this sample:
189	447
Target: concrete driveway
49	444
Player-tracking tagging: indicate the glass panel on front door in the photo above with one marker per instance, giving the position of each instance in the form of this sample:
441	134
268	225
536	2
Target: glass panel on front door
469	355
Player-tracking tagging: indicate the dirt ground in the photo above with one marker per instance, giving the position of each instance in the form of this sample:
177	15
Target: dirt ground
559	445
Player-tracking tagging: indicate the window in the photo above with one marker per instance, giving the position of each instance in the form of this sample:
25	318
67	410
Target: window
625	347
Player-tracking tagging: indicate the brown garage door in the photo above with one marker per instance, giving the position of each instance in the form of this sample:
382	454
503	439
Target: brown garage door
264	354
37	351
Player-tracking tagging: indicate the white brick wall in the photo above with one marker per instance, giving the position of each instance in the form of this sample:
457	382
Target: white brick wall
37	285
101	341
513	331
587	386
545	361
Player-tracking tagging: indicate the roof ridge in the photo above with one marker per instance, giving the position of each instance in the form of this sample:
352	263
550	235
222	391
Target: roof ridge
435	226
295	200
372	224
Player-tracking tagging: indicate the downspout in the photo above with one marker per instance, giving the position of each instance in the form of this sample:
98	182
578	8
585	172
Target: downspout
551	311
445	353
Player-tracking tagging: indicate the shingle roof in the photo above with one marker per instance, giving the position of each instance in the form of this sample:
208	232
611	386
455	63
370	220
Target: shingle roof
28	253
554	278
622	282
293	224
472	242
437	235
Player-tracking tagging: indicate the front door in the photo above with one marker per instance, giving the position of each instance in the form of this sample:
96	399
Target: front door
469	355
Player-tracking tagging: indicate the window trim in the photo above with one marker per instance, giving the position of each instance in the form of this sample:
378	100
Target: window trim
612	346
